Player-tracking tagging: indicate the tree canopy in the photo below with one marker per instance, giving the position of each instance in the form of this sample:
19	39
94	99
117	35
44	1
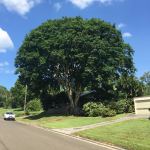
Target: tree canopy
146	78
146	81
74	54
17	93
4	97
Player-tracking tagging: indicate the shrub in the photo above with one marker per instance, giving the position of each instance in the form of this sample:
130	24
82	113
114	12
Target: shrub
34	105
107	112
130	106
93	109
122	106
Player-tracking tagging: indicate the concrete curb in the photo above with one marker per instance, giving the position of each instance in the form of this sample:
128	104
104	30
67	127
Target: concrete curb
104	145
109	146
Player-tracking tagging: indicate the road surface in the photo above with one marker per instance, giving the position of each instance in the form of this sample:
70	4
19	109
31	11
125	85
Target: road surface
16	136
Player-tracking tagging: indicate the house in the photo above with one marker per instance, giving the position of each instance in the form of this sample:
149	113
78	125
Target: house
142	105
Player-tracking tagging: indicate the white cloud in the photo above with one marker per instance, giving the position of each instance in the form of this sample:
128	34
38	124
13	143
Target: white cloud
127	35
3	64
9	71
6	71
82	4
57	6
19	6
5	41
4	68
121	25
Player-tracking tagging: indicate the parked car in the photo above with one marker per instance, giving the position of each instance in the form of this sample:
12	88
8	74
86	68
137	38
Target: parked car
9	116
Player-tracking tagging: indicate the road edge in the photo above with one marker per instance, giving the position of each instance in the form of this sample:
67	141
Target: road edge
108	146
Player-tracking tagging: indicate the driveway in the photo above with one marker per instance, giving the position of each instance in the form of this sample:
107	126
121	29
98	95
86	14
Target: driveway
77	129
16	136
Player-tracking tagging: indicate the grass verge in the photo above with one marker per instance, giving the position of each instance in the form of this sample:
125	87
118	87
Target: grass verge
132	134
48	121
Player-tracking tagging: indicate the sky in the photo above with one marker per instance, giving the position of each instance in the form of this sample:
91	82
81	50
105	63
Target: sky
19	17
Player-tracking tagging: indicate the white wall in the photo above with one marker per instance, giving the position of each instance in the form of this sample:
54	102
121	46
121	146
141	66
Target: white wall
142	105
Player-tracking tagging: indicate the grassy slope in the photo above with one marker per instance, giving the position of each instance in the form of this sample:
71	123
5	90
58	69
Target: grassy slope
64	121
132	135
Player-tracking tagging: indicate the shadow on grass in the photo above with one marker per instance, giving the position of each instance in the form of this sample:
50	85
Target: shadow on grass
43	114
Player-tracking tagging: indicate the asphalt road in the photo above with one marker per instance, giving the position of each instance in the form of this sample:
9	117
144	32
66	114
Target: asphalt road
16	136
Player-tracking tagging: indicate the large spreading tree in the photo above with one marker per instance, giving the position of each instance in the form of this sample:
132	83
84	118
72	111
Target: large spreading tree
75	54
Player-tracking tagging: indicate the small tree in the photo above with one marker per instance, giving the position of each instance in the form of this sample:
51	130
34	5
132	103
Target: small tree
34	105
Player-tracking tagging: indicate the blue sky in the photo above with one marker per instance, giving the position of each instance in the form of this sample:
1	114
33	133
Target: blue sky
19	17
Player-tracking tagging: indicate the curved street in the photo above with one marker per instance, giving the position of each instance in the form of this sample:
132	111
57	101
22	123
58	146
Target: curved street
16	136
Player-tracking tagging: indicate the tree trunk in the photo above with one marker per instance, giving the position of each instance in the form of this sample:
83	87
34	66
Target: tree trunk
74	102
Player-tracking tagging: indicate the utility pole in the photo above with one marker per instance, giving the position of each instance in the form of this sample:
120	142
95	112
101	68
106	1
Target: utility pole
25	98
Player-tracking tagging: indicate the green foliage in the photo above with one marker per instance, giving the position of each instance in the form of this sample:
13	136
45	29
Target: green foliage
147	90
7	103
33	105
122	106
3	92
18	93
146	78
54	101
146	81
107	112
5	97
130	87
74	54
92	109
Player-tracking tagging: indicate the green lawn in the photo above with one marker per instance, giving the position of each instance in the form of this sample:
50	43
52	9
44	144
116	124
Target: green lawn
132	135
48	121
17	111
